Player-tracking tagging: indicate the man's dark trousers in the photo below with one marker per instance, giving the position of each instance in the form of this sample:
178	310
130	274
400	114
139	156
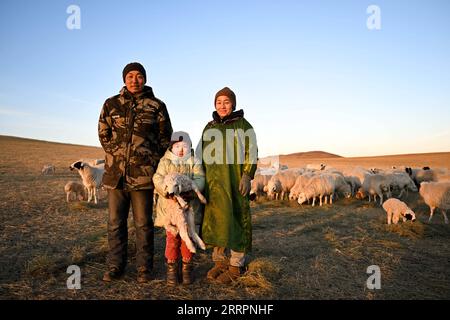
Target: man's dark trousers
119	205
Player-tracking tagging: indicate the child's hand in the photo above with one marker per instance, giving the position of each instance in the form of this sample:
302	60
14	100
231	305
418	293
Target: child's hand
245	185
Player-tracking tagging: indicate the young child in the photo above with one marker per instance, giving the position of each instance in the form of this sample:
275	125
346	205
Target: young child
178	158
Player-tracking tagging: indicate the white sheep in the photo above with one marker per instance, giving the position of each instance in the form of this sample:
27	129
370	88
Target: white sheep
300	183
340	184
354	183
316	166
48	169
258	185
91	176
436	195
419	175
401	181
375	185
281	183
76	189
395	209
318	186
180	216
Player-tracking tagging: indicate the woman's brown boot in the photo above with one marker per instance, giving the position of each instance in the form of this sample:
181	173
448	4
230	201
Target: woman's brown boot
187	273
230	275
172	274
219	267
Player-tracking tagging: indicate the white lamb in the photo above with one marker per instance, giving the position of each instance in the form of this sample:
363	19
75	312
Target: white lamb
76	189
91	176
395	209
318	186
180	216
436	195
48	169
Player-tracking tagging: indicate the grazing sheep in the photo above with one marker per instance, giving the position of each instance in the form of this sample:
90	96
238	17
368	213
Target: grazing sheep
436	195
258	184
91	176
48	169
341	186
401	181
318	186
375	185
395	209
421	175
281	183
180	216
354	184
76	189
300	183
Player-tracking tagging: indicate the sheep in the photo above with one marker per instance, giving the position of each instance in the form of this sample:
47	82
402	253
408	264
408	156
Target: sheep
321	166
48	169
180	216
421	175
281	183
354	184
300	183
258	184
375	185
401	181
74	188
341	186
436	195
358	172
395	209
318	186
91	176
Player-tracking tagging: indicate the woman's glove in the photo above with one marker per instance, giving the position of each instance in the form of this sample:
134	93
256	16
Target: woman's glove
245	185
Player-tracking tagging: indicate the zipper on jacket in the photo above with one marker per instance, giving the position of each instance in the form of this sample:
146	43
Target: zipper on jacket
130	127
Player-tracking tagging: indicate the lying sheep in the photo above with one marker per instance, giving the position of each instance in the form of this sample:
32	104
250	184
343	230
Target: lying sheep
258	184
436	195
91	176
48	169
375	185
395	209
180	216
320	166
281	183
75	189
319	186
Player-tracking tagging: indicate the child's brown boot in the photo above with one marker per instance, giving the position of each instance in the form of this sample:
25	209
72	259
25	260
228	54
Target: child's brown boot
172	274
187	273
232	274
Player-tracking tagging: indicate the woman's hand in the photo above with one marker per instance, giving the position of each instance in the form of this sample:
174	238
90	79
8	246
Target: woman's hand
245	185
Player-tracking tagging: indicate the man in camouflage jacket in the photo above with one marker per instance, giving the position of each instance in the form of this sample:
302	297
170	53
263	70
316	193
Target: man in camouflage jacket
135	130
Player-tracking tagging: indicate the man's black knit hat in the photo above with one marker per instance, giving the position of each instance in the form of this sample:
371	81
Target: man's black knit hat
134	66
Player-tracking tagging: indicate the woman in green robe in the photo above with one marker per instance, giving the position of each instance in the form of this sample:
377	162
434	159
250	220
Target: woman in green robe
229	156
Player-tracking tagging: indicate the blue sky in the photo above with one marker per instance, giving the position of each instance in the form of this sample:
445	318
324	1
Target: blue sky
309	75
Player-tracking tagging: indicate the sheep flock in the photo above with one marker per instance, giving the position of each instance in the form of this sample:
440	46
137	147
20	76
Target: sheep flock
320	185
